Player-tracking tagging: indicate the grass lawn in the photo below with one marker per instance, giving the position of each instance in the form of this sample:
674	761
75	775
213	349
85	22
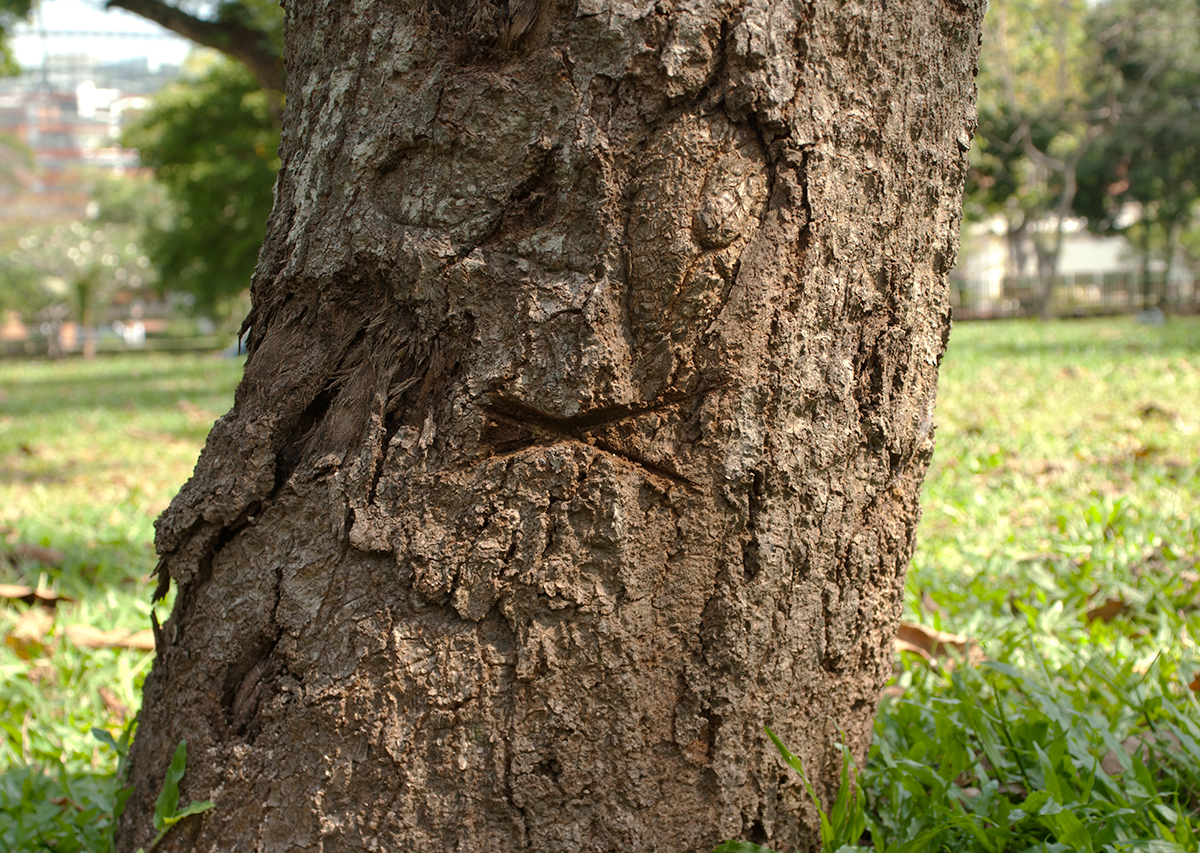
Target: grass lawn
1060	539
90	453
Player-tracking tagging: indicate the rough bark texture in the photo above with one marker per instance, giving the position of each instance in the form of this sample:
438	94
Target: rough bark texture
594	350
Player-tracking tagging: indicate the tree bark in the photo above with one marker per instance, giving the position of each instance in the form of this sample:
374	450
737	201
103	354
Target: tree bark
592	372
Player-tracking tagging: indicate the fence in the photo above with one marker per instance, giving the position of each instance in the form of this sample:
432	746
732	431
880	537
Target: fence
1077	295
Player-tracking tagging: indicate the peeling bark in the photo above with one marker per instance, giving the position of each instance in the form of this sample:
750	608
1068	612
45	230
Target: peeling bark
593	360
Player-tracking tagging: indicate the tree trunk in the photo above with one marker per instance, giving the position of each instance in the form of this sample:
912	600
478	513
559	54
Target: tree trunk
592	372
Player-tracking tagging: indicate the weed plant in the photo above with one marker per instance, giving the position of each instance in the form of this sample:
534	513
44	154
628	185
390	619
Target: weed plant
1061	534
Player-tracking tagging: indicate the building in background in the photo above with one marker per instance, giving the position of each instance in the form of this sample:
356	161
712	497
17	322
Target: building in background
997	275
61	122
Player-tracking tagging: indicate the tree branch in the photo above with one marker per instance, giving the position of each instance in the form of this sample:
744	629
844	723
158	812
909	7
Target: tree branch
245	44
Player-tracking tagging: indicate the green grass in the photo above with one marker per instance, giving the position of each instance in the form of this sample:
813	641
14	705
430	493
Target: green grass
1067	475
90	453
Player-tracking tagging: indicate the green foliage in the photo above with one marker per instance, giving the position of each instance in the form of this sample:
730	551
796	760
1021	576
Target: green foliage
64	810
212	142
74	267
843	825
11	12
265	16
1003	758
1152	155
166	809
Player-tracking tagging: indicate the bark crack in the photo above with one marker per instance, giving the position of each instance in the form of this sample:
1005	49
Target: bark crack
536	428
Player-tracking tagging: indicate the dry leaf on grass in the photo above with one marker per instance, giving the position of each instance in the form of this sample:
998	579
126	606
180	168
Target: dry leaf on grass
1153	410
29	595
1108	611
936	646
196	415
42	672
26	636
22	552
1016	789
1139	743
929	603
118	638
114	705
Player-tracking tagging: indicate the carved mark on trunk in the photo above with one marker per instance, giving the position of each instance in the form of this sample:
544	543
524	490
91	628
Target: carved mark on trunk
253	691
752	550
513	426
532	204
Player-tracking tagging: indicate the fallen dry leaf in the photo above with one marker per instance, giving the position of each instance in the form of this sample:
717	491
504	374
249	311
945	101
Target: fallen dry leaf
26	553
902	646
118	638
929	604
1014	788
1153	410
26	636
1139	743
40	673
196	415
933	645
1108	611
29	595
114	705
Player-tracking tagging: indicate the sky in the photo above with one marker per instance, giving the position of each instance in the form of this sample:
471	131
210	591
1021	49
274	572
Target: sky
83	26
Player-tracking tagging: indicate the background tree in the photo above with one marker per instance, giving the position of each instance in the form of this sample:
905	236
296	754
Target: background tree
11	11
249	31
59	270
1143	178
1041	108
213	145
593	357
1004	182
1057	77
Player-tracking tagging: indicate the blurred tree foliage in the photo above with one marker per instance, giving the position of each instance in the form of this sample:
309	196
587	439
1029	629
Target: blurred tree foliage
57	270
1084	107
1043	101
212	141
248	31
1150	161
11	11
